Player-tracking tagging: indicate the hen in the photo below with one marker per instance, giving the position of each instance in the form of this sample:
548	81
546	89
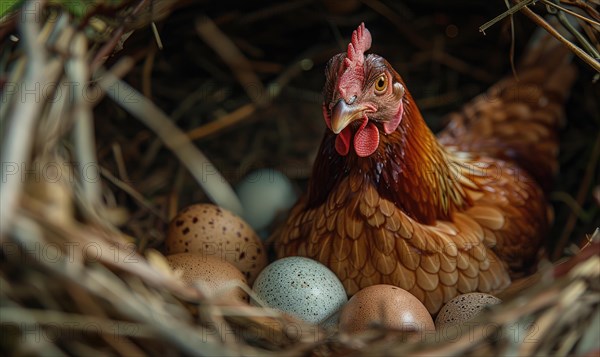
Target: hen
389	203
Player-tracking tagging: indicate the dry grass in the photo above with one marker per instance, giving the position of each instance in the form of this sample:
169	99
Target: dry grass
99	156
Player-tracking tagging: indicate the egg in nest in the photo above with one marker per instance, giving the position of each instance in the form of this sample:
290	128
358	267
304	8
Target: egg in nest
216	278
301	287
463	308
210	230
385	306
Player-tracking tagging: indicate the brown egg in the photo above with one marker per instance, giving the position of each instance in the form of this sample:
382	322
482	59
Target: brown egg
213	231
387	306
463	308
212	274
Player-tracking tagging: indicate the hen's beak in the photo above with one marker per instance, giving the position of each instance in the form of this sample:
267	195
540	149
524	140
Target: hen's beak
343	114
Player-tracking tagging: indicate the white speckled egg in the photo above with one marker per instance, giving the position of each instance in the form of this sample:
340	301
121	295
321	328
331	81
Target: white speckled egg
301	287
264	193
463	308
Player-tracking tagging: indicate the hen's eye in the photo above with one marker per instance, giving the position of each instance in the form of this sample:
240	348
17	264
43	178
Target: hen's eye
381	84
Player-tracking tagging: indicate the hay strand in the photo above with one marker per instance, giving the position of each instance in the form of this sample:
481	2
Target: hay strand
203	170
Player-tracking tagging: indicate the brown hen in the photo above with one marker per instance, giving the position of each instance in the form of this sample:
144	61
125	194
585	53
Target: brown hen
389	203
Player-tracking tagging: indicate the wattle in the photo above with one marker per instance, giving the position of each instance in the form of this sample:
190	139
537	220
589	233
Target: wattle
342	141
366	139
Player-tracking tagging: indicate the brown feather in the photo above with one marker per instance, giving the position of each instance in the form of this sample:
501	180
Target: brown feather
404	277
407	255
448	278
427	281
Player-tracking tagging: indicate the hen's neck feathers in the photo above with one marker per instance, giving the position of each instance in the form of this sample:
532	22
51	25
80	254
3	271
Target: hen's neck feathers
410	168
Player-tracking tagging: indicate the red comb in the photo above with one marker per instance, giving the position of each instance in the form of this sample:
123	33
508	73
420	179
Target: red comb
361	42
352	79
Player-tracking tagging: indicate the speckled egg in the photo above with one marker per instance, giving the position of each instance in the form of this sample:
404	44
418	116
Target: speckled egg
463	308
301	287
213	274
265	193
385	306
213	231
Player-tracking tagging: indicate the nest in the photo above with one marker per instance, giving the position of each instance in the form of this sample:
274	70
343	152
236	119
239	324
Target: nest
93	169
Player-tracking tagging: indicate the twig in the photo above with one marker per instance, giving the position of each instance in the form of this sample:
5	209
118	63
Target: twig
207	176
114	40
235	59
83	131
274	89
585	7
582	40
522	6
182	109
15	76
573	205
173	197
132	192
119	70
510	11
414	38
571	12
58	319
147	73
156	35
118	155
576	50
18	138
583	189
512	43
223	122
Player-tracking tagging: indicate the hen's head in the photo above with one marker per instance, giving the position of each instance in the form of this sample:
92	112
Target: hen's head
363	95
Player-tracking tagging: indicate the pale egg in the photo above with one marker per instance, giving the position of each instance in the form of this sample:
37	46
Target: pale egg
264	194
301	287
